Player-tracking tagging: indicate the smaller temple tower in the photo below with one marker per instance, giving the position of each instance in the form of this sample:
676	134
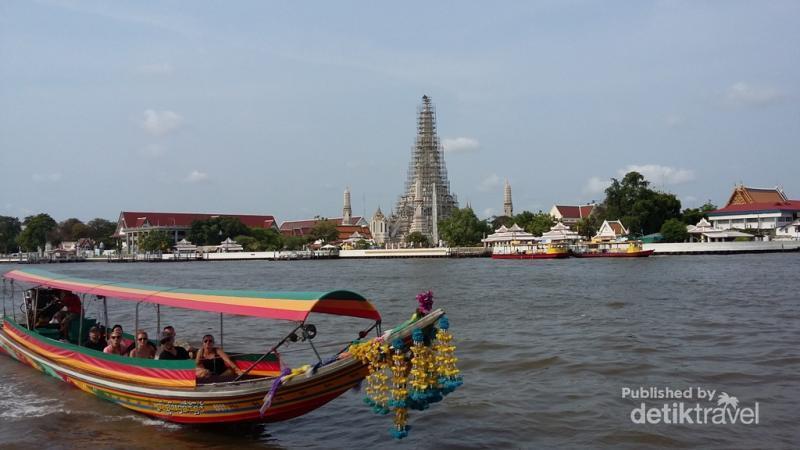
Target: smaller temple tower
347	210
508	207
377	227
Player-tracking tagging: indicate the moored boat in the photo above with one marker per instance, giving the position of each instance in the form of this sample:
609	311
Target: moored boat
629	249
541	251
169	389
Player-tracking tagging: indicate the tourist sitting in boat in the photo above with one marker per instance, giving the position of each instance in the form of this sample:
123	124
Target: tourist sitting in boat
169	329
169	350
73	306
213	362
114	346
143	347
95	342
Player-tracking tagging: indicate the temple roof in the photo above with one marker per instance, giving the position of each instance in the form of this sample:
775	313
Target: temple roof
749	195
574	212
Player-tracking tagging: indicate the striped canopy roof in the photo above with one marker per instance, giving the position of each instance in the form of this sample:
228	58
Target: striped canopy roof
272	305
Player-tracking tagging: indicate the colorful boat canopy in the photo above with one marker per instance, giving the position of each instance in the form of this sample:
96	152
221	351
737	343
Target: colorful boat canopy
294	306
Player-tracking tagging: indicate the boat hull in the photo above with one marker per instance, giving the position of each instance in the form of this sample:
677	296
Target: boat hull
213	403
638	254
531	256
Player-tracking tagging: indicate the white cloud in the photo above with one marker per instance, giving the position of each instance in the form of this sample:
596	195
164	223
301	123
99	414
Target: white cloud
153	150
596	185
660	175
489	212
156	69
46	177
460	145
196	176
745	94
489	183
159	123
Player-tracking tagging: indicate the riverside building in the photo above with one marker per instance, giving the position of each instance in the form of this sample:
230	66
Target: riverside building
134	226
763	209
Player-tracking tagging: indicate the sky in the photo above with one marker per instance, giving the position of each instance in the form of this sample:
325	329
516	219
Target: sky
276	107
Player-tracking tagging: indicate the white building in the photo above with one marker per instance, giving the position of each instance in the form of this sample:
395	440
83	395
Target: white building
507	237
610	230
790	231
705	232
560	233
377	227
761	209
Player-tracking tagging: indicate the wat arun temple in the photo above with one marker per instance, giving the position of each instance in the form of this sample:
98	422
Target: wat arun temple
426	198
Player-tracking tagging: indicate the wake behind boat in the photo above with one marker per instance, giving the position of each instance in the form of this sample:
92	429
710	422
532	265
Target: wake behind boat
170	390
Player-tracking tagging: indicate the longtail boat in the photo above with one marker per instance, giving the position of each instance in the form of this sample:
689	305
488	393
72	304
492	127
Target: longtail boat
169	390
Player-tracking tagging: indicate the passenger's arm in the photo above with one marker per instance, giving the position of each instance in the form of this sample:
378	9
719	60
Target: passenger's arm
228	361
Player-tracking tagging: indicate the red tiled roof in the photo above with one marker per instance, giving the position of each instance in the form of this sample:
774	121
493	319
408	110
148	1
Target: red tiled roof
789	205
154	219
575	212
345	231
302	227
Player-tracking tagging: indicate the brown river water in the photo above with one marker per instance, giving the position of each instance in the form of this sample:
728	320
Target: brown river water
546	349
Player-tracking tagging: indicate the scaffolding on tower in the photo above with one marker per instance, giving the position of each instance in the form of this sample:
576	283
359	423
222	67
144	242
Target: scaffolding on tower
428	167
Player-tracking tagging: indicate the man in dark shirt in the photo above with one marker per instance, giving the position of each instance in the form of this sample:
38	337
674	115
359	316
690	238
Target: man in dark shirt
169	350
73	305
95	342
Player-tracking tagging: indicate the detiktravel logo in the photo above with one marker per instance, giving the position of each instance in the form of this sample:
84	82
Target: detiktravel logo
689	406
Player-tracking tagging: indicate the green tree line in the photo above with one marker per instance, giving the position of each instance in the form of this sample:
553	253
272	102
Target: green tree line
35	231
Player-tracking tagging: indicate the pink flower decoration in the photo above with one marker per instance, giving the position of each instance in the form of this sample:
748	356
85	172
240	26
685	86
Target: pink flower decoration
425	300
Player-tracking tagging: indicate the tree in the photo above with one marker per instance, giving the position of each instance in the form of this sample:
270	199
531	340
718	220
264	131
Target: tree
417	239
39	229
101	230
156	241
323	230
267	239
293	242
691	216
541	223
215	230
588	226
462	228
674	230
361	244
248	243
499	221
640	208
9	230
535	224
73	229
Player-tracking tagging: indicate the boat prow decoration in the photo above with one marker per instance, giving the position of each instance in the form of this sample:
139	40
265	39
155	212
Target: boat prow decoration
416	382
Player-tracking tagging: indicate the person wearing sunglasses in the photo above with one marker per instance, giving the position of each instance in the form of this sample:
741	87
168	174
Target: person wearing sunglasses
213	362
115	344
143	348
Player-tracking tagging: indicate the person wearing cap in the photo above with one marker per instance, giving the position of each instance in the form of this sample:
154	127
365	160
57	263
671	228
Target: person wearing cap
168	350
95	342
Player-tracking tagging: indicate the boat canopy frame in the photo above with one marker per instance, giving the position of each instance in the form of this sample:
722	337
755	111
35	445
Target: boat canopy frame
290	306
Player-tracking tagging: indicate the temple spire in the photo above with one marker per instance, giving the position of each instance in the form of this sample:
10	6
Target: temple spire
347	210
508	207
